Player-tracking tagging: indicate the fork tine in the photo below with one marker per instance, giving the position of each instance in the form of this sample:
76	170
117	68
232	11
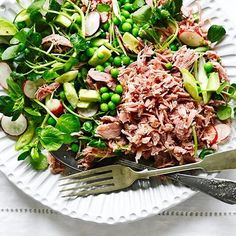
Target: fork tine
86	186
91	178
91	172
92	192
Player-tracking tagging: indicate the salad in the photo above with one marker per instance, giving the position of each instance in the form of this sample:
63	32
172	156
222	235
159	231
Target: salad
132	78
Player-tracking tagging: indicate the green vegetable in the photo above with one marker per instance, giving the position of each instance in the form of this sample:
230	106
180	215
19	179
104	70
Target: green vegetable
62	95
224	112
143	14
67	77
10	52
190	84
126	60
87	95
116	98
104	107
168	66
117	61
26	137
111	106
7	28
74	147
105	97
104	90
79	42
95	60
100	68
32	112
106	26
90	52
208	67
213	82
63	20
135	32
128	6
119	89
41	164
103	8
125	13
71	94
83	104
126	27
114	73
51	138
205	152
51	121
137	4
216	33
131	42
173	47
68	123
88	126
116	21
23	17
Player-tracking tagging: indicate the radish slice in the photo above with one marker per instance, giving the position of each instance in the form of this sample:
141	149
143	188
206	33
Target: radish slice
30	88
104	17
88	112
211	135
55	106
223	131
92	23
192	39
14	128
5	72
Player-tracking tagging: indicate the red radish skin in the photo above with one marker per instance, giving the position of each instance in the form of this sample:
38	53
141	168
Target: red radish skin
223	131
92	23
55	106
211	135
5	72
191	38
30	88
104	17
14	128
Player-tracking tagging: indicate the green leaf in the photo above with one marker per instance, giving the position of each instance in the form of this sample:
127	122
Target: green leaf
23	155
68	123
137	4
216	33
6	105
32	111
41	163
14	90
97	143
224	112
10	52
51	138
79	42
142	15
103	7
50	75
36	6
205	152
55	6
222	87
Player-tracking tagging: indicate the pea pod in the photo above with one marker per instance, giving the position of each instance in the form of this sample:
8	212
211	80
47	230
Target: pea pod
26	137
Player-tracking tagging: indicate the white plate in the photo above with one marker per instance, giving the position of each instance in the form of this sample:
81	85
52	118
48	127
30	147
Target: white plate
136	203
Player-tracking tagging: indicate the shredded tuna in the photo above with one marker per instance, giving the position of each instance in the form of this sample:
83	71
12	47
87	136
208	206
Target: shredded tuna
46	90
109	131
56	167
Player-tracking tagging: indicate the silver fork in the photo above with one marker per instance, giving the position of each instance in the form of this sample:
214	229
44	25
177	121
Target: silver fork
117	177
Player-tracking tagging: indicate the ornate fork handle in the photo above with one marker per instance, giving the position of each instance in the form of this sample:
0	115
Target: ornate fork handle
223	190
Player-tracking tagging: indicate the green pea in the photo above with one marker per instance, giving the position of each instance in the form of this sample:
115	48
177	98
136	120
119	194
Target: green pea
100	68
106	26
130	21
21	46
117	61
111	59
62	95
119	89
106	64
126	60
27	51
111	106
173	47
128	6
36	39
111	94
135	32
131	61
125	13
126	27
21	25
90	51
116	21
88	126
127	1
83	57
104	90
114	73
123	19
208	67
104	107
74	147
84	72
100	55
105	97
116	98
103	34
51	121
168	66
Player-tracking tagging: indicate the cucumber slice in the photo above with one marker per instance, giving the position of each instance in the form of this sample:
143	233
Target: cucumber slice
95	60
71	94
190	84
213	82
83	104
88	112
64	21
7	28
131	42
86	95
67	77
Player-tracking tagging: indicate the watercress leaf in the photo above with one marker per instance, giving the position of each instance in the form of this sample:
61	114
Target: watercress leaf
23	155
50	75
222	87
97	143
32	112
14	89
137	4
55	6
79	42
68	123
10	52
224	112
143	14
216	33
36	5
232	91
23	34
50	138
6	105
41	163
103	7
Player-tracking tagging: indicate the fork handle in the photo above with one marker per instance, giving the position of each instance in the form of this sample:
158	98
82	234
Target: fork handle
224	190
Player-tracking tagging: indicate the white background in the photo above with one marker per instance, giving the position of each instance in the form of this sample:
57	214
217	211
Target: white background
201	215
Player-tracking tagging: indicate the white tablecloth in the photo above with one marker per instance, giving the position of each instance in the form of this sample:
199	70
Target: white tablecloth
201	215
